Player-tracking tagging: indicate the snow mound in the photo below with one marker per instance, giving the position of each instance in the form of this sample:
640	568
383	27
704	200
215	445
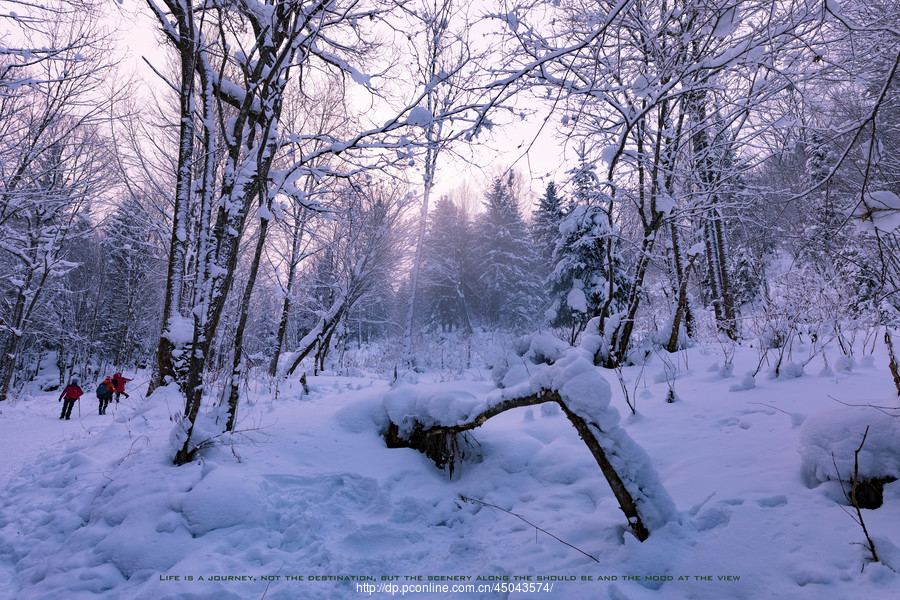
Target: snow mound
839	431
47	378
229	495
888	552
408	405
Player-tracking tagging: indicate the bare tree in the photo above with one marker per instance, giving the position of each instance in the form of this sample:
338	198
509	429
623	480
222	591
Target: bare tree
364	249
54	161
297	216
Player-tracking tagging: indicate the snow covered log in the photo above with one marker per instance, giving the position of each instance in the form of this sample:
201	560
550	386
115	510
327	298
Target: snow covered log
541	369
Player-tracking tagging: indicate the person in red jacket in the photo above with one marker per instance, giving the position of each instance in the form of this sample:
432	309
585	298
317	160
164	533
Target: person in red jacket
71	393
119	384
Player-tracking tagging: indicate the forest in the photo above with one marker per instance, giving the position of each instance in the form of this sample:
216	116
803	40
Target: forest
282	193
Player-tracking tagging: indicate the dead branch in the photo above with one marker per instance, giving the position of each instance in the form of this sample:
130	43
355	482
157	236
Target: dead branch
895	370
852	498
891	411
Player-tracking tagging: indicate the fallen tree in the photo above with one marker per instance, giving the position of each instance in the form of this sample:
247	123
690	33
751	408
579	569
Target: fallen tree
540	370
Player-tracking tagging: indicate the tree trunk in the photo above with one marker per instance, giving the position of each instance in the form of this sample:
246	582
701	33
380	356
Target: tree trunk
9	343
251	150
682	306
621	338
296	240
431	156
892	363
729	306
237	367
26	300
321	332
714	231
186	45
417	262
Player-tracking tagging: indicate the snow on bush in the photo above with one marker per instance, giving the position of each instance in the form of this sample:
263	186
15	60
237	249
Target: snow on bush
840	431
47	378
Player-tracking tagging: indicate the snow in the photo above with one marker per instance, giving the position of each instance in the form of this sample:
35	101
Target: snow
360	78
47	378
440	404
666	204
831	437
640	85
880	210
748	382
576	299
94	508
419	116
609	154
512	20
264	213
726	23
180	330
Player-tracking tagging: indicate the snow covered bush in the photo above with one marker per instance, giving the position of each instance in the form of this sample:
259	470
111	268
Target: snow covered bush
829	441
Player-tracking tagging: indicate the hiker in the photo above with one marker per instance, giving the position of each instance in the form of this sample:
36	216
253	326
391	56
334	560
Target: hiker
71	393
119	385
105	393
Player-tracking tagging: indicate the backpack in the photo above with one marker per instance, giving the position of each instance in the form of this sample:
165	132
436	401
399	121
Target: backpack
101	390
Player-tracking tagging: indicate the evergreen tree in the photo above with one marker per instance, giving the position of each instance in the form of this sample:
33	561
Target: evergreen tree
830	248
746	279
588	279
133	273
448	268
510	285
545	227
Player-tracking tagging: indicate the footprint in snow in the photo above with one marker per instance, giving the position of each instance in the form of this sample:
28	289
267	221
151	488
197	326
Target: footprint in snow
773	501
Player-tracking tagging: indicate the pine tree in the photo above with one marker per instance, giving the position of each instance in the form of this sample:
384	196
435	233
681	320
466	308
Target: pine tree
589	279
830	248
447	269
511	292
545	227
132	270
746	279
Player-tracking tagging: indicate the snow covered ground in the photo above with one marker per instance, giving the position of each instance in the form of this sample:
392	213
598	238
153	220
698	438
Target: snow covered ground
93	508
